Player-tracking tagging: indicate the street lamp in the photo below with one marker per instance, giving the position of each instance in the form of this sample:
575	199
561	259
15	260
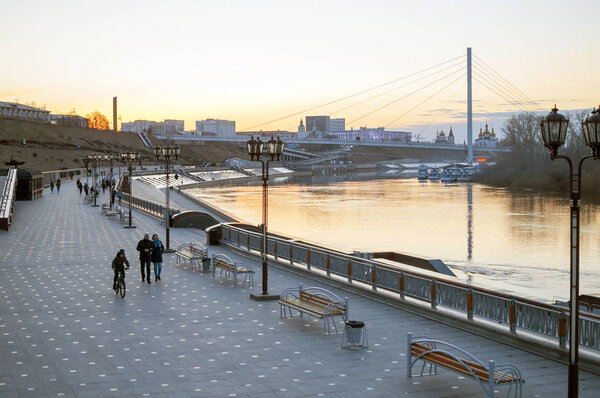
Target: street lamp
274	150
86	162
109	158
94	159
554	132
130	158
166	152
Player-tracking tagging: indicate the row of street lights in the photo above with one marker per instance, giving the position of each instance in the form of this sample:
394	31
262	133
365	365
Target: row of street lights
167	152
554	132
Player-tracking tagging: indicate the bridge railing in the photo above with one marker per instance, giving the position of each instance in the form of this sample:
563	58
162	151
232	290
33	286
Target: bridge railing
149	207
8	197
477	304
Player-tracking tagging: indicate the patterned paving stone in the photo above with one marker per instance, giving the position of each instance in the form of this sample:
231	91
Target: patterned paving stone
64	333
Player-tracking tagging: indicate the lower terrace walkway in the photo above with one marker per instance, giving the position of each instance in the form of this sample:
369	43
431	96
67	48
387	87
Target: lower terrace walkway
63	332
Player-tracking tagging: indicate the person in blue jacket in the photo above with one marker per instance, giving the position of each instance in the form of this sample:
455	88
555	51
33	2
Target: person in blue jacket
157	256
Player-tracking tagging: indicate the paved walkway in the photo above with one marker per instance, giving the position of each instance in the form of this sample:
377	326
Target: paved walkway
63	332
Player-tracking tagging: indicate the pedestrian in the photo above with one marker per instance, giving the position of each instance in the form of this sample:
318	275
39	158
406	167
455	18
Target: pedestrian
86	188
113	194
157	256
118	265
145	248
79	186
58	185
103	186
119	195
51	186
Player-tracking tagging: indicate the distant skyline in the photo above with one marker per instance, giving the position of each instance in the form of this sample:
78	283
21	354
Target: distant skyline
258	61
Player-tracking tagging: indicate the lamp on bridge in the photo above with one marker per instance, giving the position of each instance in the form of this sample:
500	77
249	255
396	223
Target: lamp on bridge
167	152
554	131
255	149
130	158
86	161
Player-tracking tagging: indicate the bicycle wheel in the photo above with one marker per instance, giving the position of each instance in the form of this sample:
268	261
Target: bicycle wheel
122	289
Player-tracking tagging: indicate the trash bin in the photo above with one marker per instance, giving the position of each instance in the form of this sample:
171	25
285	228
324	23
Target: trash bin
206	264
354	331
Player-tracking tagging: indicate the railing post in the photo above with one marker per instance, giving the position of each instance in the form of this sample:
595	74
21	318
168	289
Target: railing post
238	238
433	294
470	304
212	263
248	241
328	265
562	330
401	284
374	277
275	250
291	254
308	259
349	271
512	316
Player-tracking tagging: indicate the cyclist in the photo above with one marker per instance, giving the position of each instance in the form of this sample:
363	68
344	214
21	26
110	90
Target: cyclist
118	266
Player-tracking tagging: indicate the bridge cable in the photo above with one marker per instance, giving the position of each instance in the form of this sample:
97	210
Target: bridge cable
515	88
444	108
404	96
355	94
502	86
427	99
503	90
500	95
396	88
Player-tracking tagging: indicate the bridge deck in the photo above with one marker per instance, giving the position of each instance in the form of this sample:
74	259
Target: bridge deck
64	333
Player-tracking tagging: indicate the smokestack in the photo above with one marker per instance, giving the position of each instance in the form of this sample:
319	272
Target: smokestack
115	114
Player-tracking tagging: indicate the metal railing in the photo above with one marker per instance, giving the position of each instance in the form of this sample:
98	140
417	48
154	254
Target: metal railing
149	207
8	197
513	313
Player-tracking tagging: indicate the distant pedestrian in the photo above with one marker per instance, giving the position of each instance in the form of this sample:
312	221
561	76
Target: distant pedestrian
86	188
103	186
119	195
79	186
145	248
58	185
113	194
157	256
51	186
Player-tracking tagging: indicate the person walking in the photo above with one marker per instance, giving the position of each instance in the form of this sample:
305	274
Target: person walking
79	186
86	188
51	186
58	185
145	248
118	265
157	256
113	194
103	186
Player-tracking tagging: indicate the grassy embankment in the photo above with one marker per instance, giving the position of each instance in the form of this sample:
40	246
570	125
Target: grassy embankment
51	147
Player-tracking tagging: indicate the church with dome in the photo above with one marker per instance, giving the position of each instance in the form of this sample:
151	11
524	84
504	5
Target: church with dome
441	138
486	138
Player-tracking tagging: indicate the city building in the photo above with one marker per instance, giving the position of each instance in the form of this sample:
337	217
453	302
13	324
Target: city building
486	138
338	124
14	111
369	134
451	136
172	126
143	126
318	123
69	120
215	127
441	138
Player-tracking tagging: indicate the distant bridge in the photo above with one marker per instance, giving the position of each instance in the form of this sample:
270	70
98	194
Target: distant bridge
240	139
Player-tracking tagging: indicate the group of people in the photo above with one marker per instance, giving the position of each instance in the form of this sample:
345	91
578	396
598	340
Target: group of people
151	251
53	184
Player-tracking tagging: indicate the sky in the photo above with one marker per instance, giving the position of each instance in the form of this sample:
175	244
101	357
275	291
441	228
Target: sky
257	61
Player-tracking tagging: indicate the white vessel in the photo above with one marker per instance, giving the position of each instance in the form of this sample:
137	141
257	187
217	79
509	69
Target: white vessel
423	172
435	174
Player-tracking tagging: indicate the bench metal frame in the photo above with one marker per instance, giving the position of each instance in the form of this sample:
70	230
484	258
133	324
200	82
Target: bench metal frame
232	269
449	350
329	312
192	252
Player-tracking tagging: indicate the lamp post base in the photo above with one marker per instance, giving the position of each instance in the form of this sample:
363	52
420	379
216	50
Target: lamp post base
265	297
129	226
169	251
95	205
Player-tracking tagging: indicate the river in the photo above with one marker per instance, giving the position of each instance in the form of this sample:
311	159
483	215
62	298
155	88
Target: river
511	241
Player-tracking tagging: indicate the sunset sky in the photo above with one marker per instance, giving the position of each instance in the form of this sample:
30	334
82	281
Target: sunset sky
255	61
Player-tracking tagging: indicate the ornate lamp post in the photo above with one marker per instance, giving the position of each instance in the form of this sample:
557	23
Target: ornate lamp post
167	152
255	150
130	158
95	159
554	132
109	158
86	162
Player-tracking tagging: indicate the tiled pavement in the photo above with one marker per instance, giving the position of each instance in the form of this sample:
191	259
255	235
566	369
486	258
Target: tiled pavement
63	332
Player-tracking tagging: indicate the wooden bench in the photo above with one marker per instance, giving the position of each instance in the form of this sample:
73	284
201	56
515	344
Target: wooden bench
113	213
315	301
123	216
192	252
434	353
104	208
232	268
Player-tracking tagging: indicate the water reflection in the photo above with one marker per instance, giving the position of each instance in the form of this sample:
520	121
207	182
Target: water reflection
521	244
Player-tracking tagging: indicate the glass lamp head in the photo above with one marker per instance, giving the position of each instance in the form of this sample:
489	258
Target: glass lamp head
554	131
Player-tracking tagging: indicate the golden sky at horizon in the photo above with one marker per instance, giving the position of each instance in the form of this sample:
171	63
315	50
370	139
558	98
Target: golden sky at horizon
256	61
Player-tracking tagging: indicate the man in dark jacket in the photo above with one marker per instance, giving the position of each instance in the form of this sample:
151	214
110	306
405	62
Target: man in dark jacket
145	247
118	265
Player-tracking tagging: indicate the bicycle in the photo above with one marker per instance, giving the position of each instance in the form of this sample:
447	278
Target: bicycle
121	288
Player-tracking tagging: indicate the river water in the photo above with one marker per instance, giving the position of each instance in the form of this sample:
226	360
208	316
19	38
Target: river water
512	241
